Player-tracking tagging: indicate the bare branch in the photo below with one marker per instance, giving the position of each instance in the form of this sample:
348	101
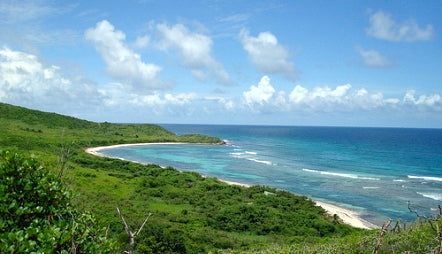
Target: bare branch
383	230
129	232
126	227
139	230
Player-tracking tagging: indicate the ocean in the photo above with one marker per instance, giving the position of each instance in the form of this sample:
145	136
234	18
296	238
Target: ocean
376	171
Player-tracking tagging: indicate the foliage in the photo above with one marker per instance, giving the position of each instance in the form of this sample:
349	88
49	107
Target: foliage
192	214
33	130
419	237
36	214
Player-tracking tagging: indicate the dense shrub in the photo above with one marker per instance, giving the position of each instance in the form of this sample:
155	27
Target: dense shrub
36	214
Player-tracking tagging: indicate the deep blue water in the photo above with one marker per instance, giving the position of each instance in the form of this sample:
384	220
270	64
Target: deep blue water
374	170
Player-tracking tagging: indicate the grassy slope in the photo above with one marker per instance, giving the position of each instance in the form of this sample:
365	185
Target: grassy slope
191	213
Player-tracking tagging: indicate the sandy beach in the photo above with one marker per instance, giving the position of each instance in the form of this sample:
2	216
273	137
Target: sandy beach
348	216
96	150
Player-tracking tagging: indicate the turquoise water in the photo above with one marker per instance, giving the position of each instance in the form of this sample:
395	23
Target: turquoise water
374	170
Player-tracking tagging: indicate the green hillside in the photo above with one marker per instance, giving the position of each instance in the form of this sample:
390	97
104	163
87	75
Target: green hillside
191	214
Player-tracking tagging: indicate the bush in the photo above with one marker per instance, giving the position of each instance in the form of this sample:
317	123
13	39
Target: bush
36	214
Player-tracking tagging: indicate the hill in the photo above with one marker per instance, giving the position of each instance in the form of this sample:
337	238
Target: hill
191	214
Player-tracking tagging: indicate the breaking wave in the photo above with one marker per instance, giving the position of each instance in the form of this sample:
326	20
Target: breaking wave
353	176
260	161
426	178
435	196
248	156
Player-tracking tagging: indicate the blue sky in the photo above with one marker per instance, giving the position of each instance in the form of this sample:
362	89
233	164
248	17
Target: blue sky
332	63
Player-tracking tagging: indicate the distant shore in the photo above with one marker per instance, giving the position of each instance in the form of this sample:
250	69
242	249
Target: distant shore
348	216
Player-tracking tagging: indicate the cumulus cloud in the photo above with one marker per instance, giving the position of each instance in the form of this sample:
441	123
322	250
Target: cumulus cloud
343	98
260	94
382	26
433	101
373	59
194	50
122	63
320	98
26	81
267	54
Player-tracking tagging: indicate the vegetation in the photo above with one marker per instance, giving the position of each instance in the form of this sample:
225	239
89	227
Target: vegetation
419	237
36	214
191	214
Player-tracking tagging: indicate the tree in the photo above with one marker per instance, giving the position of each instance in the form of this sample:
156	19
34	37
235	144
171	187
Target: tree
132	235
36	214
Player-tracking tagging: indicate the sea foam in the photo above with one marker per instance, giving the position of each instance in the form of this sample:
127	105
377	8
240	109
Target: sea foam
353	176
435	196
260	161
246	155
252	153
426	178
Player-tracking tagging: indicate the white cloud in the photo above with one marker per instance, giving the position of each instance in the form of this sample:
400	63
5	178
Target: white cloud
340	99
433	101
194	50
298	94
22	24
373	59
320	98
267	54
15	12
382	26
265	98
167	99
235	18
122	63
260	94
191	99
182	104
25	81
142	42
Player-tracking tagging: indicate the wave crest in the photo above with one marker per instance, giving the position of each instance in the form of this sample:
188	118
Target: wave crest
353	176
435	196
426	178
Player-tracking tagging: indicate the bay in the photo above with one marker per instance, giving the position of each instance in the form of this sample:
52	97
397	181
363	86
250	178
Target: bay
377	171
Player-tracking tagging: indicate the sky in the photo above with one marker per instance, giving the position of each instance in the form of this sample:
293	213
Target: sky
270	62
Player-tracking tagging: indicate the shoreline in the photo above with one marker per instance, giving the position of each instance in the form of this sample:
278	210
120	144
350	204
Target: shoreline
348	216
96	150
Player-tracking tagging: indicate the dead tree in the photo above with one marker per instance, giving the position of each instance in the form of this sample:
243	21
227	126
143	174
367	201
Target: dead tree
381	234
132	235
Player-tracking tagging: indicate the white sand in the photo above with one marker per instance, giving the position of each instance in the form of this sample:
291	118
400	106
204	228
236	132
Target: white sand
348	216
235	183
96	150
